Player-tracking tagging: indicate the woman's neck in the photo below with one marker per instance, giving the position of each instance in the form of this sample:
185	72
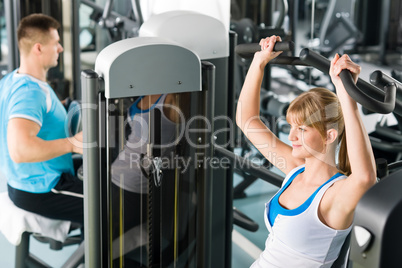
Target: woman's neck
319	171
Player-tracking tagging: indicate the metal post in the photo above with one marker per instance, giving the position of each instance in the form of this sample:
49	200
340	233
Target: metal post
12	18
22	251
384	26
205	238
92	200
76	50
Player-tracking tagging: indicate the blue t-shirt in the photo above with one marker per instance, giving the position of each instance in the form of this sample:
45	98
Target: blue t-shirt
23	96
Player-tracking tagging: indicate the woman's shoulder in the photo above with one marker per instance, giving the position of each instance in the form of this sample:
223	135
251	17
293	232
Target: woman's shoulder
294	171
334	188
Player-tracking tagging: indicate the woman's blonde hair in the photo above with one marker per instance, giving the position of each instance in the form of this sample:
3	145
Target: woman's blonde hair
320	108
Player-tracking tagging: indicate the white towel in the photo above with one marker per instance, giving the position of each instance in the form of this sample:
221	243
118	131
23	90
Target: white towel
14	221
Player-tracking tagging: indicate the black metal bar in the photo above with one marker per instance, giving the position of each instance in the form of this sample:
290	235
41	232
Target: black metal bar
380	79
76	51
241	219
285	60
205	245
246	165
229	174
384	30
395	165
389	133
22	251
383	107
369	96
238	191
248	50
366	94
392	147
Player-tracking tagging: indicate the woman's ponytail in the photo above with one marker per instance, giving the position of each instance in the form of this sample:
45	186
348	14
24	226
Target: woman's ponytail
343	159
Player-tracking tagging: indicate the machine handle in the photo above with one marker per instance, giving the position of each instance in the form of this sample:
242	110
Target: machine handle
362	92
242	220
248	50
380	79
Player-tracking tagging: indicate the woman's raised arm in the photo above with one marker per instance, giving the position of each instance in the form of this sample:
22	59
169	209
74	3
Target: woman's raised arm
359	150
248	111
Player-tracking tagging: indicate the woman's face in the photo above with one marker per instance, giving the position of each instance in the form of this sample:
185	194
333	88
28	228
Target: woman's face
306	141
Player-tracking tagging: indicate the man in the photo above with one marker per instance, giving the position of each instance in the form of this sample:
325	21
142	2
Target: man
35	151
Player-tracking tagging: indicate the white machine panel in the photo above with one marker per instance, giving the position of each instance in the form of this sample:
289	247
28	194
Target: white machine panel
147	66
204	35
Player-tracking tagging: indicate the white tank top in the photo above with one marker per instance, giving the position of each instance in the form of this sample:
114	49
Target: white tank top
126	169
301	240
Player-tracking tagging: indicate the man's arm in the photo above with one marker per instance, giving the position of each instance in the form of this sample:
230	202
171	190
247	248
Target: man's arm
25	146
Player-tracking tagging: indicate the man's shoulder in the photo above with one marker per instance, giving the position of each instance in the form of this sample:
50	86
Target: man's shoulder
25	91
15	80
25	85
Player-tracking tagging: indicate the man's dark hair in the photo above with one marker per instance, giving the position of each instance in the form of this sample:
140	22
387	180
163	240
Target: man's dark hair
34	28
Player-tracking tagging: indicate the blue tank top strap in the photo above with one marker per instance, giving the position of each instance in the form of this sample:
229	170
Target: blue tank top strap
275	208
135	110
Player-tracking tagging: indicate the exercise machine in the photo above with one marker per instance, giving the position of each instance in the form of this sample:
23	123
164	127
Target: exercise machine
386	138
378	215
118	26
118	76
133	64
337	31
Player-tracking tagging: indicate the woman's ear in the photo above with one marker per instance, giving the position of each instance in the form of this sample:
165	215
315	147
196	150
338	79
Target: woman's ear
332	136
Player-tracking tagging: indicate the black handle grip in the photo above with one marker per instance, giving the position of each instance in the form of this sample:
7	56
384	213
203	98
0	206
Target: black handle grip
315	60
364	93
240	219
383	107
381	79
248	50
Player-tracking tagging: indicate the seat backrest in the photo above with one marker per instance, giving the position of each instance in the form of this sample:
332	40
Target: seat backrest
343	259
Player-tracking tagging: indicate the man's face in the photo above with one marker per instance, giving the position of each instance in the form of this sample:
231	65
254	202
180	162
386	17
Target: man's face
51	49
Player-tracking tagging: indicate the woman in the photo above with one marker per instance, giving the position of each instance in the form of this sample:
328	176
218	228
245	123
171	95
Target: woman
311	215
